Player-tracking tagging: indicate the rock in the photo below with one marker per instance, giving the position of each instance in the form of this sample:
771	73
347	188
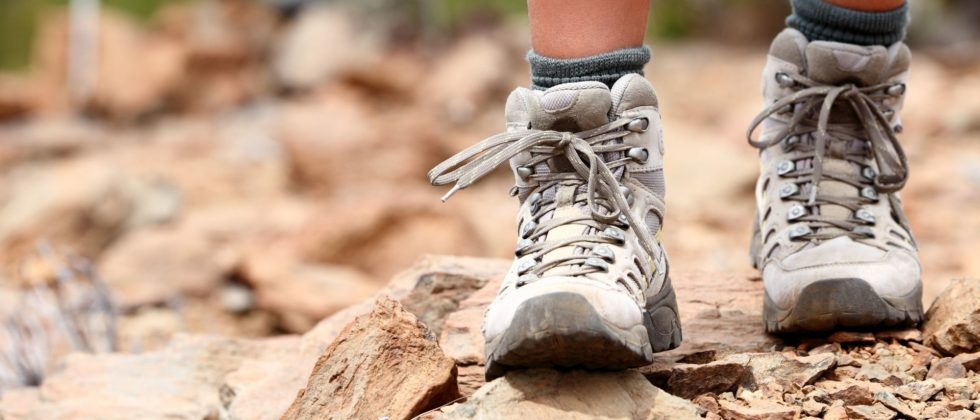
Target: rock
935	411
758	410
957	389
813	408
889	400
946	368
909	334
952	323
300	62
919	391
689	381
469	74
873	372
303	293
385	364
547	394
102	204
180	381
790	373
438	294
851	337
851	393
836	412
970	361
869	412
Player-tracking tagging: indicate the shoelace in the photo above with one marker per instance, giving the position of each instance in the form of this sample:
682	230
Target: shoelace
872	128
606	200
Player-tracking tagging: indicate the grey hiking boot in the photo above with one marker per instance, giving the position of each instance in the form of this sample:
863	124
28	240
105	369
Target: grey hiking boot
831	240
589	285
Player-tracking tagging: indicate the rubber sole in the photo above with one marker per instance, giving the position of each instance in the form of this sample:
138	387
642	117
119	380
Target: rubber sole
833	304
563	330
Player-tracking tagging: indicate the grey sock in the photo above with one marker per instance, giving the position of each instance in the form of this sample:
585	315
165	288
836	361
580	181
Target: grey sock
606	68
821	21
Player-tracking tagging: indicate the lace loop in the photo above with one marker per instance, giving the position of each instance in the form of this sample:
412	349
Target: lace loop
606	202
872	127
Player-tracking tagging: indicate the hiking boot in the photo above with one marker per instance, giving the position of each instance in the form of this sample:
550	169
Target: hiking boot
589	286
830	238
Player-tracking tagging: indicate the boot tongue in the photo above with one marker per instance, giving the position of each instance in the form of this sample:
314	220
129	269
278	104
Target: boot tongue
835	63
572	107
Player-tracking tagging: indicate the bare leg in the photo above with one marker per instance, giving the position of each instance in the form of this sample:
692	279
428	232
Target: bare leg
582	28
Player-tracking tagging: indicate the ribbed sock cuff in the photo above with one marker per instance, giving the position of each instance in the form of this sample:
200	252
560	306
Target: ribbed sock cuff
606	68
821	21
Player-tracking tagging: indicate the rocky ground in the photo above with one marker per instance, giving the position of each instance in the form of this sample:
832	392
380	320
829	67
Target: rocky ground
414	349
222	185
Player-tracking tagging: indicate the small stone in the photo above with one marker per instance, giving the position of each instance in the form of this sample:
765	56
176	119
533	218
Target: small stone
777	368
919	391
934	411
946	368
918	372
958	405
689	381
758	410
911	334
814	408
873	372
889	400
971	361
963	415
953	321
870	412
957	389
826	348
836	412
848	393
851	337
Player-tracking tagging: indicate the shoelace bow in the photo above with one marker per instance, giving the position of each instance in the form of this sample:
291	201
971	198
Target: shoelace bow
606	200
872	128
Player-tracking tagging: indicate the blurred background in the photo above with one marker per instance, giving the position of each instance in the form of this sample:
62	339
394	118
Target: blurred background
248	167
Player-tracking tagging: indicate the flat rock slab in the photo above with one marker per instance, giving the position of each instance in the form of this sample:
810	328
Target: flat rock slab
548	394
953	321
384	365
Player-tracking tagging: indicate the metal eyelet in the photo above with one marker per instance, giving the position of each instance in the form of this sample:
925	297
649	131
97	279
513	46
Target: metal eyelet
898	128
789	142
622	220
524	264
896	90
638	154
868	173
614	234
870	193
597	263
638	125
525	172
522	245
865	215
785	167
864	231
798	231
788	190
525	279
604	252
796	212
784	80
627	193
527	228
